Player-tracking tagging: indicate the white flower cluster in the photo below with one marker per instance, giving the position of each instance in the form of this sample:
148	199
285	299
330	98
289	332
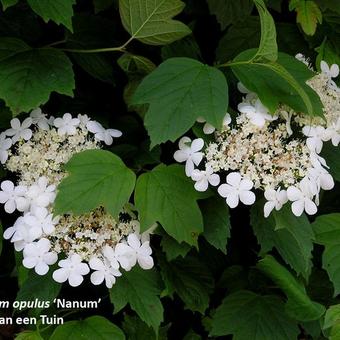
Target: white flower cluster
278	153
36	150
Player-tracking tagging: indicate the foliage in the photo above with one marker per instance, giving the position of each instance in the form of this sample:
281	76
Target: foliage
152	68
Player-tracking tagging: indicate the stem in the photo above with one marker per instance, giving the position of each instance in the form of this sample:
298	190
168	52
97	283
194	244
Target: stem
234	63
100	50
56	43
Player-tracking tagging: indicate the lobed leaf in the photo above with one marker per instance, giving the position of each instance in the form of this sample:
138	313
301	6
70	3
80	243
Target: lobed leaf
166	195
179	91
150	21
96	178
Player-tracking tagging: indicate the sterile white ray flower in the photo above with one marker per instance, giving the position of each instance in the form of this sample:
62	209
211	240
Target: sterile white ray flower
40	218
67	125
72	270
258	114
102	134
37	255
19	130
208	129
40	193
237	189
204	177
40	119
316	136
143	251
301	196
5	144
275	199
189	152
13	197
103	272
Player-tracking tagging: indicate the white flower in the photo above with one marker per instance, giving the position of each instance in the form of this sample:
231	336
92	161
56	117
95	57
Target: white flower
287	116
189	154
40	193
250	96
208	128
103	271
40	119
21	234
237	189
316	136
333	131
276	199
204	177
143	251
37	255
102	134
71	269
13	197
330	72
321	177
66	125
5	144
301	196
145	235
122	255
257	114
40	218
83	119
19	130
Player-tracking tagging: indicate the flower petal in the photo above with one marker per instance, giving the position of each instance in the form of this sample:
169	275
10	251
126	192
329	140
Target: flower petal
247	197
298	207
60	275
97	277
232	200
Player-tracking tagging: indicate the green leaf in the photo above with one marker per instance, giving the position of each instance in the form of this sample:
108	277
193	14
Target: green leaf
28	335
141	289
327	231
150	21
268	46
8	3
332	322
308	15
59	11
179	91
42	288
186	47
332	156
94	327
299	306
191	279
136	329
173	249
167	196
229	11
239	37
281	82
216	222
291	236
29	75
96	178
247	315
327	52
135	65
